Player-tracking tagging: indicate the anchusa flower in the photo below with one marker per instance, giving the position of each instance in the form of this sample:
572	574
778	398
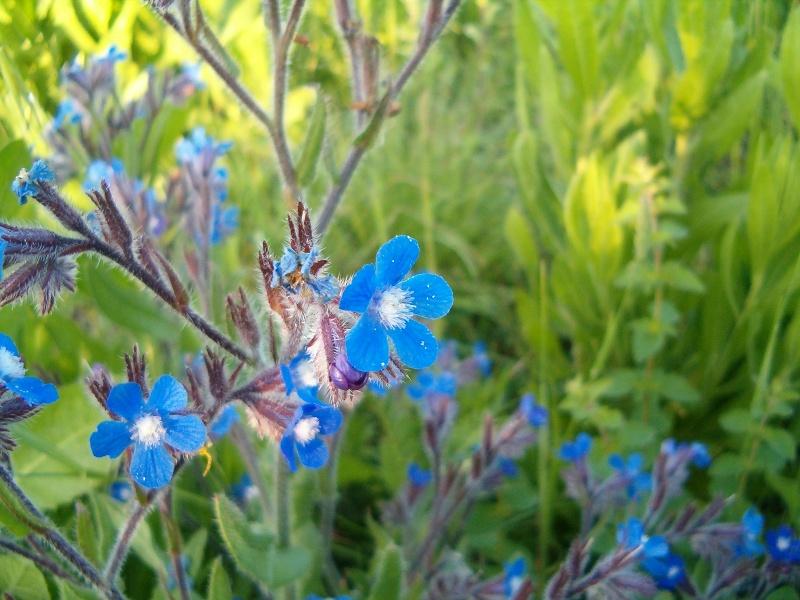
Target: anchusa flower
121	491
12	377
27	183
536	414
387	304
226	419
783	545
299	269
156	427
752	527
576	450
638	481
302	437
417	476
514	574
299	378
668	571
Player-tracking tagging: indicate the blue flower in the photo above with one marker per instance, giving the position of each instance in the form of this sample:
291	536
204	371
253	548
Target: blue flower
667	571
782	545
640	481
388	304
427	382
224	222
121	491
481	357
100	170
700	456
750	543
513	575
27	182
12	376
418	476
507	466
152	427
630	534
297	267
299	377
112	55
225	420
536	414
198	143
243	490
577	450
66	113
302	436
191	71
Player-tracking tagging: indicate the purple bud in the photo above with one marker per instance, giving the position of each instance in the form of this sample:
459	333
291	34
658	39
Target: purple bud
344	376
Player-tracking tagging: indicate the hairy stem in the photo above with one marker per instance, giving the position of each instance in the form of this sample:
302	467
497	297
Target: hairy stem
118	553
40	560
282	501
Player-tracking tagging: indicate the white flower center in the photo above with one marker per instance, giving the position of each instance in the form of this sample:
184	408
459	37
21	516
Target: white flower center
304	375
10	365
673	572
306	430
149	430
515	584
394	307
783	543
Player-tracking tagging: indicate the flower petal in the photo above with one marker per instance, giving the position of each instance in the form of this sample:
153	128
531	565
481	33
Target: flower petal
367	346
110	439
185	433
432	297
314	454
415	345
125	400
168	394
151	467
394	259
287	449
7	343
330	419
33	390
358	293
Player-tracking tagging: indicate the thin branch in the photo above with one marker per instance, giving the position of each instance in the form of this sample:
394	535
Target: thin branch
61	545
426	41
43	562
120	550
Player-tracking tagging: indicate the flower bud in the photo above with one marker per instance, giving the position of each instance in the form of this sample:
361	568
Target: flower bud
344	376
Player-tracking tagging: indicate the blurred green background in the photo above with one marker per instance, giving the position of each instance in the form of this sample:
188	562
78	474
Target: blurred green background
610	187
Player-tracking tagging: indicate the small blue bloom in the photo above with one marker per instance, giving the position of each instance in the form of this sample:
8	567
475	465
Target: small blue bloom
152	427
507	466
700	456
418	476
198	143
66	113
388	303
296	268
191	71
26	184
640	481
481	357
243	490
782	545
536	414
121	491
577	450
513	576
302	436
226	419
299	377
752	525
667	571
12	377
100	170
224	222
427	382
112	55
630	534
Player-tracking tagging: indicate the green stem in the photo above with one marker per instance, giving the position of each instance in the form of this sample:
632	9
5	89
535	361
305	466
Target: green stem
282	503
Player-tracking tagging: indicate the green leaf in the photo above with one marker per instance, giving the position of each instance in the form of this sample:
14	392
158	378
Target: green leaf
247	549
737	421
648	338
781	442
21	580
789	65
522	242
312	146
87	532
388	583
675	387
676	275
219	585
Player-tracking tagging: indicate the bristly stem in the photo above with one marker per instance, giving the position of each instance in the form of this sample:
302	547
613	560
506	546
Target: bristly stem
175	545
426	41
41	561
59	543
282	502
120	550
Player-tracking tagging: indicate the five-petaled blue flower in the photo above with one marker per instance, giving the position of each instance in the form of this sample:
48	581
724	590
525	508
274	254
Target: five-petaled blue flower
427	382
299	377
12	377
418	476
66	113
302	436
630	534
388	304
297	267
536	414
577	450
667	571
152	426
752	525
639	481
513	575
782	545
26	184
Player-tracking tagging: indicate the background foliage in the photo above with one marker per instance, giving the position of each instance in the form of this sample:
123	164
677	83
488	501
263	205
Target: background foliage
610	187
